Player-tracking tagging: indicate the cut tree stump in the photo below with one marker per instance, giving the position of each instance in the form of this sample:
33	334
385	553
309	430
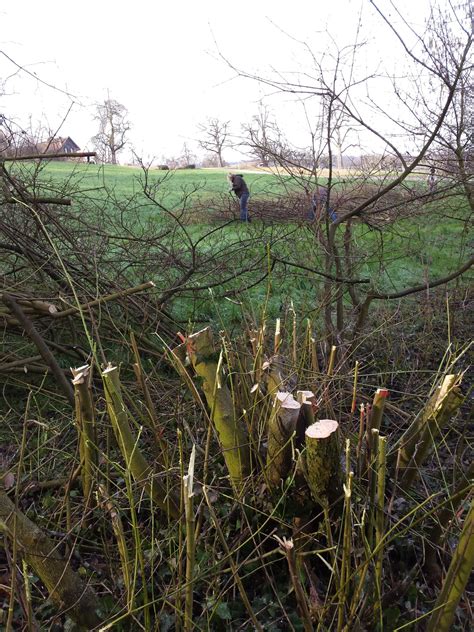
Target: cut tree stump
232	434
307	399
418	441
323	464
281	428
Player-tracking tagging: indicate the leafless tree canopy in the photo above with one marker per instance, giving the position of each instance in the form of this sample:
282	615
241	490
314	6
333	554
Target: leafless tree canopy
427	121
263	136
114	125
215	137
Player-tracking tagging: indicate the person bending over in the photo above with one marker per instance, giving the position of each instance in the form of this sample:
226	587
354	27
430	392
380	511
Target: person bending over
240	188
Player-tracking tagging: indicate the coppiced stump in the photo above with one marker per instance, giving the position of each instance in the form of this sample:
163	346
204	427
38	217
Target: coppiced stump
281	431
417	442
231	432
85	421
323	463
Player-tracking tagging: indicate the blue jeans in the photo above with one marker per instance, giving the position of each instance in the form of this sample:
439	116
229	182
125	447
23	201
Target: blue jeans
244	212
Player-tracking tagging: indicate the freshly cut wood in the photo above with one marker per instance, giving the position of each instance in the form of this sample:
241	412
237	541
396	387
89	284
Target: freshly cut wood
85	421
134	459
231	432
66	588
281	429
307	399
323	464
417	442
376	412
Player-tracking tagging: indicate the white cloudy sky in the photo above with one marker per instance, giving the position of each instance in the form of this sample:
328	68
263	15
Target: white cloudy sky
160	59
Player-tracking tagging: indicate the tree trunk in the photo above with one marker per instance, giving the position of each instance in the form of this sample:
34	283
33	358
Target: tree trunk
323	464
281	428
417	442
232	435
65	587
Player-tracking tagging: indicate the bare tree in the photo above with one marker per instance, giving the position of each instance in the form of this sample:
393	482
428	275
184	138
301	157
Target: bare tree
188	157
114	126
214	139
263	136
429	109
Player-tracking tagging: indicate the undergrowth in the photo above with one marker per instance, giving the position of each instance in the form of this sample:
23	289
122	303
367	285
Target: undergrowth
263	556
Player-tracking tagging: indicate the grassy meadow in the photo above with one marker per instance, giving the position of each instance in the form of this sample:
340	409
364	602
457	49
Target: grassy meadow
262	532
409	252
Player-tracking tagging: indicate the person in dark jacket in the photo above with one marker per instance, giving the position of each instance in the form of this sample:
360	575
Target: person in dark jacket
318	203
240	188
431	181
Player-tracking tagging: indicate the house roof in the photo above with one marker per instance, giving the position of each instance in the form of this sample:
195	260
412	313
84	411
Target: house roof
55	145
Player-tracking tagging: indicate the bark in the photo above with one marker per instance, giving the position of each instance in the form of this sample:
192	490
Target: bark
417	442
456	579
374	420
281	429
85	421
442	519
323	464
307	399
66	588
232	435
134	459
279	375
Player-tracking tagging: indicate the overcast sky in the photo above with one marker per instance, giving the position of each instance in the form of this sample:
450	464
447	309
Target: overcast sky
161	60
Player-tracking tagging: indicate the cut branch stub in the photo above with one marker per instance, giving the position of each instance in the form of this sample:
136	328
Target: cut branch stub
281	428
417	442
232	435
279	376
374	420
134	459
307	399
85	421
323	464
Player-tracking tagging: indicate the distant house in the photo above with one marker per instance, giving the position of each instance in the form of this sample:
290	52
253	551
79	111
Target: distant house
58	145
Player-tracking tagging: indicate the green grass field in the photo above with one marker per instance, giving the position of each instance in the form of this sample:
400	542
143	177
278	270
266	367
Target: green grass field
411	251
126	181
